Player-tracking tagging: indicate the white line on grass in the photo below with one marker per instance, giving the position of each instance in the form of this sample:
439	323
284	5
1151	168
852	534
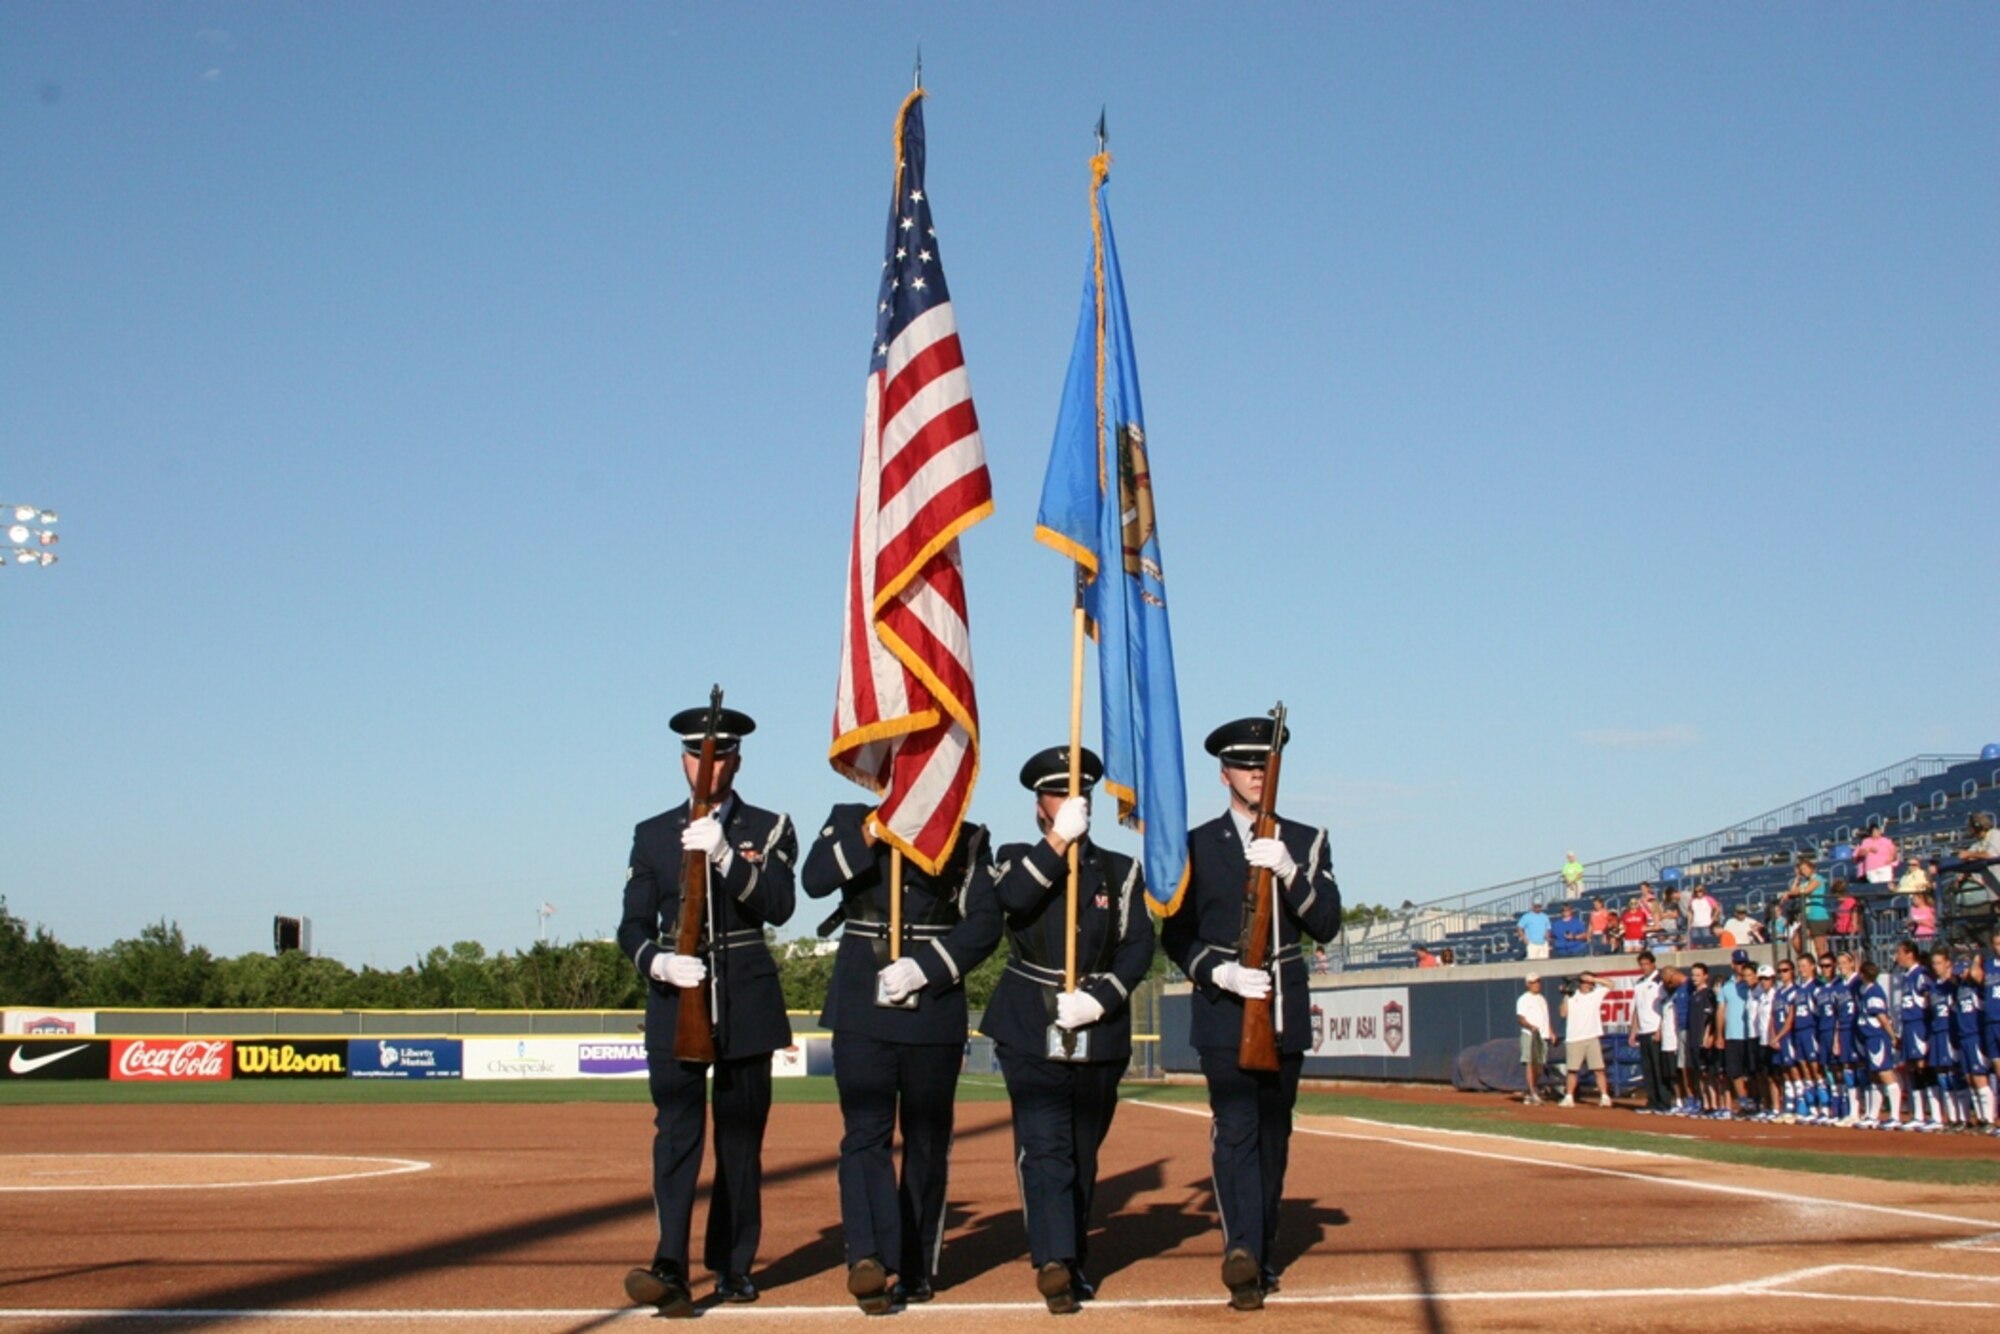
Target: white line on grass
1981	1224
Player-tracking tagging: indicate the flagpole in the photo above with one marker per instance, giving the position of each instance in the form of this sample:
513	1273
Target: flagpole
895	903
1075	772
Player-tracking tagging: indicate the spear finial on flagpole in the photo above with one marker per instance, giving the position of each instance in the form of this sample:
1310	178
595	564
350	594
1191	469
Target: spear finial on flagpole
917	74
1100	130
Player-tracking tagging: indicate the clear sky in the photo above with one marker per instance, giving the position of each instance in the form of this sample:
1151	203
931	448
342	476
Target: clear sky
1583	416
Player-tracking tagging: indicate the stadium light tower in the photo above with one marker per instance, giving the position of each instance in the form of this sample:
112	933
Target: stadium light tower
30	535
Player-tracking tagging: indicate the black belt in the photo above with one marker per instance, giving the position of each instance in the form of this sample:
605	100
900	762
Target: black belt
914	930
736	940
1045	977
1288	954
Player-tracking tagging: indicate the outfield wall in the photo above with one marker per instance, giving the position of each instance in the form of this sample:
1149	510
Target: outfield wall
204	1046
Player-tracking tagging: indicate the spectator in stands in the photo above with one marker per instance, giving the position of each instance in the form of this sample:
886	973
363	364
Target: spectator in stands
1533	929
1583	1033
1916	880
1648	993
1739	928
1808	891
1847	910
1875	858
1531	1014
1447	959
1666	928
1603	928
1569	934
1923	915
1319	959
1649	900
1702	912
1632	926
1572	874
1985	839
1425	959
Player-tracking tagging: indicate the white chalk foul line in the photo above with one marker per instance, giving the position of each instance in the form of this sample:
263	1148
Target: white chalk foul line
1516	1159
379	1167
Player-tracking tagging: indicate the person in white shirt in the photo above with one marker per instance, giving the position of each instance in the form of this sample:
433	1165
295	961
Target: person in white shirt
1531	1013
1646	996
1741	930
1583	1031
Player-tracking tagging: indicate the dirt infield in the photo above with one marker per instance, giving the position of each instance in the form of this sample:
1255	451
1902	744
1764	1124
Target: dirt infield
527	1216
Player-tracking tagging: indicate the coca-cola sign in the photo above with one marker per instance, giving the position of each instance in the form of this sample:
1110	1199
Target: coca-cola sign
170	1058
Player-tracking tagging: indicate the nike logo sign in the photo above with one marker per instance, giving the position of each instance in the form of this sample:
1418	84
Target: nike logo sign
21	1063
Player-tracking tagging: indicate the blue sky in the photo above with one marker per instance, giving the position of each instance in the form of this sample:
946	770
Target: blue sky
1582	415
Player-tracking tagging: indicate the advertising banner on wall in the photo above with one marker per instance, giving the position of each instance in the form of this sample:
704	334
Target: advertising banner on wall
611	1058
170	1060
405	1058
1361	1021
308	1058
521	1058
54	1058
49	1023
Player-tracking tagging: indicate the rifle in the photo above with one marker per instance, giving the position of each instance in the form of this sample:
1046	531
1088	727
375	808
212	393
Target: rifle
1258	1049
694	1030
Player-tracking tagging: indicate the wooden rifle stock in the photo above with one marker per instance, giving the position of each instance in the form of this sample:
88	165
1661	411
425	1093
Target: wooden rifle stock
694	1031
1258	1047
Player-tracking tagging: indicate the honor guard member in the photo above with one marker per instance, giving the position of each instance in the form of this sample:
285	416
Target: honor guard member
898	1039
750	854
1252	1109
1064	1091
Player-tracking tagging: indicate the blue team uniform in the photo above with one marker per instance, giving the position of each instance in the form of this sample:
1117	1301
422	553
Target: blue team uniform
1846	1010
1782	1005
1990	1019
1874	1028
1805	1022
1943	1015
1967	1013
1826	1018
1914	1010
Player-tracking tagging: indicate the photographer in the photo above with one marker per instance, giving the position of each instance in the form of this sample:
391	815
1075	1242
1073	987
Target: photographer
1583	1029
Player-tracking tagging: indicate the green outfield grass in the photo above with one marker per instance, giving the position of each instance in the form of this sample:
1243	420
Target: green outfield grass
1979	1165
27	1092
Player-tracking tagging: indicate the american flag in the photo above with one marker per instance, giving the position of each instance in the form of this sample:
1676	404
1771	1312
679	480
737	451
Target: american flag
906	723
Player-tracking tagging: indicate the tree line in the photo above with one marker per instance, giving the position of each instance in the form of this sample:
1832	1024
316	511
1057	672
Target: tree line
158	968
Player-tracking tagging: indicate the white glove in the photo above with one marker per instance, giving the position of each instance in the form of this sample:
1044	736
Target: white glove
901	978
1272	852
1072	820
1249	983
705	836
678	970
1074	1009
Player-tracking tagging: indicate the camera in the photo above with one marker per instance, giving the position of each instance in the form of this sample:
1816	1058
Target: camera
1568	987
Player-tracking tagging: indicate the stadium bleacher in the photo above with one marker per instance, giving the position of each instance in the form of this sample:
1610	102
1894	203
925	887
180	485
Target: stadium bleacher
1922	803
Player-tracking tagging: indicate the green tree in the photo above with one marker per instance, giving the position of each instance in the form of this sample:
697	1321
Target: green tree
35	968
805	974
156	968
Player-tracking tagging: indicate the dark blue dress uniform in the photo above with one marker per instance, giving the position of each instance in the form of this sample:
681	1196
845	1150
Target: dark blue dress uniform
752	890
1252	1109
1063	1109
886	1056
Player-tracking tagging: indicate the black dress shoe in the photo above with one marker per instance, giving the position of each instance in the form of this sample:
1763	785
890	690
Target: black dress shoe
1080	1284
918	1290
736	1288
1270	1279
1244	1278
661	1286
1052	1281
868	1284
